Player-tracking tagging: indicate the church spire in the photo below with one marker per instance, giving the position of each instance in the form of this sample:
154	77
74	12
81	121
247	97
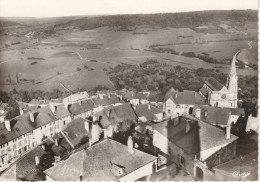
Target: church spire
233	65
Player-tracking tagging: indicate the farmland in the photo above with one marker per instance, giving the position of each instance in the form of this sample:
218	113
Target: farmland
81	57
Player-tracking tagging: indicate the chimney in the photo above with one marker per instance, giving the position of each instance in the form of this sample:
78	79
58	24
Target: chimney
56	141
121	98
227	132
176	95
134	107
43	147
206	113
130	145
149	106
21	111
187	126
37	160
53	108
108	113
86	124
31	117
8	124
198	113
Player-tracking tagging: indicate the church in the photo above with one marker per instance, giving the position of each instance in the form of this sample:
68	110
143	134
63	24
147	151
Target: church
219	95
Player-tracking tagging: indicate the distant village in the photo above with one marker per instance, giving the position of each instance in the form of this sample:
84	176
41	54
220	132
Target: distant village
129	135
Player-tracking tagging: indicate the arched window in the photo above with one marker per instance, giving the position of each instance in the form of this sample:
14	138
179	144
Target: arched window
199	173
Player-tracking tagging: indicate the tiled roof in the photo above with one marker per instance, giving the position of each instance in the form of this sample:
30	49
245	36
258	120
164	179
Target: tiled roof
177	135
114	115
185	97
76	131
201	136
248	164
217	115
214	84
21	125
87	105
203	91
95	163
25	169
156	97
61	111
106	101
143	110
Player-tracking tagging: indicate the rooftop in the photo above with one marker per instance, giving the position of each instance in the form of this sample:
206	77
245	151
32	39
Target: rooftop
94	163
144	110
21	124
214	84
201	136
185	97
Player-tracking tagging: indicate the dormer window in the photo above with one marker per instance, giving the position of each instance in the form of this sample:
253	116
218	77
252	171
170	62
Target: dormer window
117	170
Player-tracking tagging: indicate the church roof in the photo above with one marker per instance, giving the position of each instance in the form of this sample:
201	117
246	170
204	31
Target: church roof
214	84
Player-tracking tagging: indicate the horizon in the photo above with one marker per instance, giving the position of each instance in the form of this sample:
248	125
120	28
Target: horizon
96	15
70	8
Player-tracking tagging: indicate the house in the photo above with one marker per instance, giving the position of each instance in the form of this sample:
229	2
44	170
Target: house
179	103
135	98
107	160
77	97
242	168
29	167
77	132
110	118
148	112
194	145
26	131
62	114
252	124
218	116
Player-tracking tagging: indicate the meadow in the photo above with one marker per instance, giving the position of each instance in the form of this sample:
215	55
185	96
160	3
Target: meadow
77	58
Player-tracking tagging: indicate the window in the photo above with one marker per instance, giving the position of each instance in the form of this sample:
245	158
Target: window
181	160
169	111
64	122
178	106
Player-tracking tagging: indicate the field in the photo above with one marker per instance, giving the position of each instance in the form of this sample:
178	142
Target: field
76	58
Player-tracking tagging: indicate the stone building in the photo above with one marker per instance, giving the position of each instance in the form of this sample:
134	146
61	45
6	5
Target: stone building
219	95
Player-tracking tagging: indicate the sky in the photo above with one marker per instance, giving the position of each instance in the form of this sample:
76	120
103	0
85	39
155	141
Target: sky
55	8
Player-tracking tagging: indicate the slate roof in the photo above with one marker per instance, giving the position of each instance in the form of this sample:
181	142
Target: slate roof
87	105
203	91
61	111
214	84
248	164
185	97
217	115
95	163
143	110
25	169
76	131
202	136
21	124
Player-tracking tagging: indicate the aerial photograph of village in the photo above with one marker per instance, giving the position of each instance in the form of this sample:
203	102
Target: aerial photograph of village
128	91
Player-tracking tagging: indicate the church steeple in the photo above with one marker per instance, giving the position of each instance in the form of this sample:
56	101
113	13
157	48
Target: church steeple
232	76
233	71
